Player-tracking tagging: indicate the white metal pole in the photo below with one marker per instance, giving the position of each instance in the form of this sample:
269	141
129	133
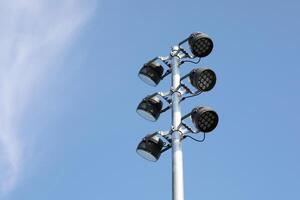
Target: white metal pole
177	159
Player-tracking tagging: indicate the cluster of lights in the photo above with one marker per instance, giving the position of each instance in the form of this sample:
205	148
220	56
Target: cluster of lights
204	119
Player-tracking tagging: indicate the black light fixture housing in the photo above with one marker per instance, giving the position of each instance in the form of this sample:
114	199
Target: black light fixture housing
200	44
150	108
150	148
151	73
205	119
203	79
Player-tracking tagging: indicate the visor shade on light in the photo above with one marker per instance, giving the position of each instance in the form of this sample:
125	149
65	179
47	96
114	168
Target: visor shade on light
150	148
205	119
150	108
203	79
200	44
151	73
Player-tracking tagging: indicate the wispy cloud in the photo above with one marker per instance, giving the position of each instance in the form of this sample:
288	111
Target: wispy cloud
33	33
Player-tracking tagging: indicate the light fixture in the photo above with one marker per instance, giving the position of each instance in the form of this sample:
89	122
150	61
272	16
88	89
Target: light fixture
201	45
150	147
150	108
151	73
205	119
191	49
203	79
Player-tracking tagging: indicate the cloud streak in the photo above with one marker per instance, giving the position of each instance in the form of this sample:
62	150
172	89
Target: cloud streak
33	34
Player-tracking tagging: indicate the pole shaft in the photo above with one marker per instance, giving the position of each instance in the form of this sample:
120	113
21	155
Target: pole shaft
177	158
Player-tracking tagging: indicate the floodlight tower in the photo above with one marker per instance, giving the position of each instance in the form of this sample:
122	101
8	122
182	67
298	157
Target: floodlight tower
204	118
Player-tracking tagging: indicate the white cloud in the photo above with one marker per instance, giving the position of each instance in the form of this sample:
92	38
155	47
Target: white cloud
33	33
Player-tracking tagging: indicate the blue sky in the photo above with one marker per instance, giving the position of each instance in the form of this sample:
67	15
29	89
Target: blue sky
69	90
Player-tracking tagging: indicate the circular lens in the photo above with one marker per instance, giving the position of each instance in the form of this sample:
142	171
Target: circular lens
205	119
147	79
146	155
146	115
203	79
201	45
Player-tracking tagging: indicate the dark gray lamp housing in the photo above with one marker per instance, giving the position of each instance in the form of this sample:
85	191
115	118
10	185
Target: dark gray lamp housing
200	44
150	148
203	79
150	108
205	119
151	73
